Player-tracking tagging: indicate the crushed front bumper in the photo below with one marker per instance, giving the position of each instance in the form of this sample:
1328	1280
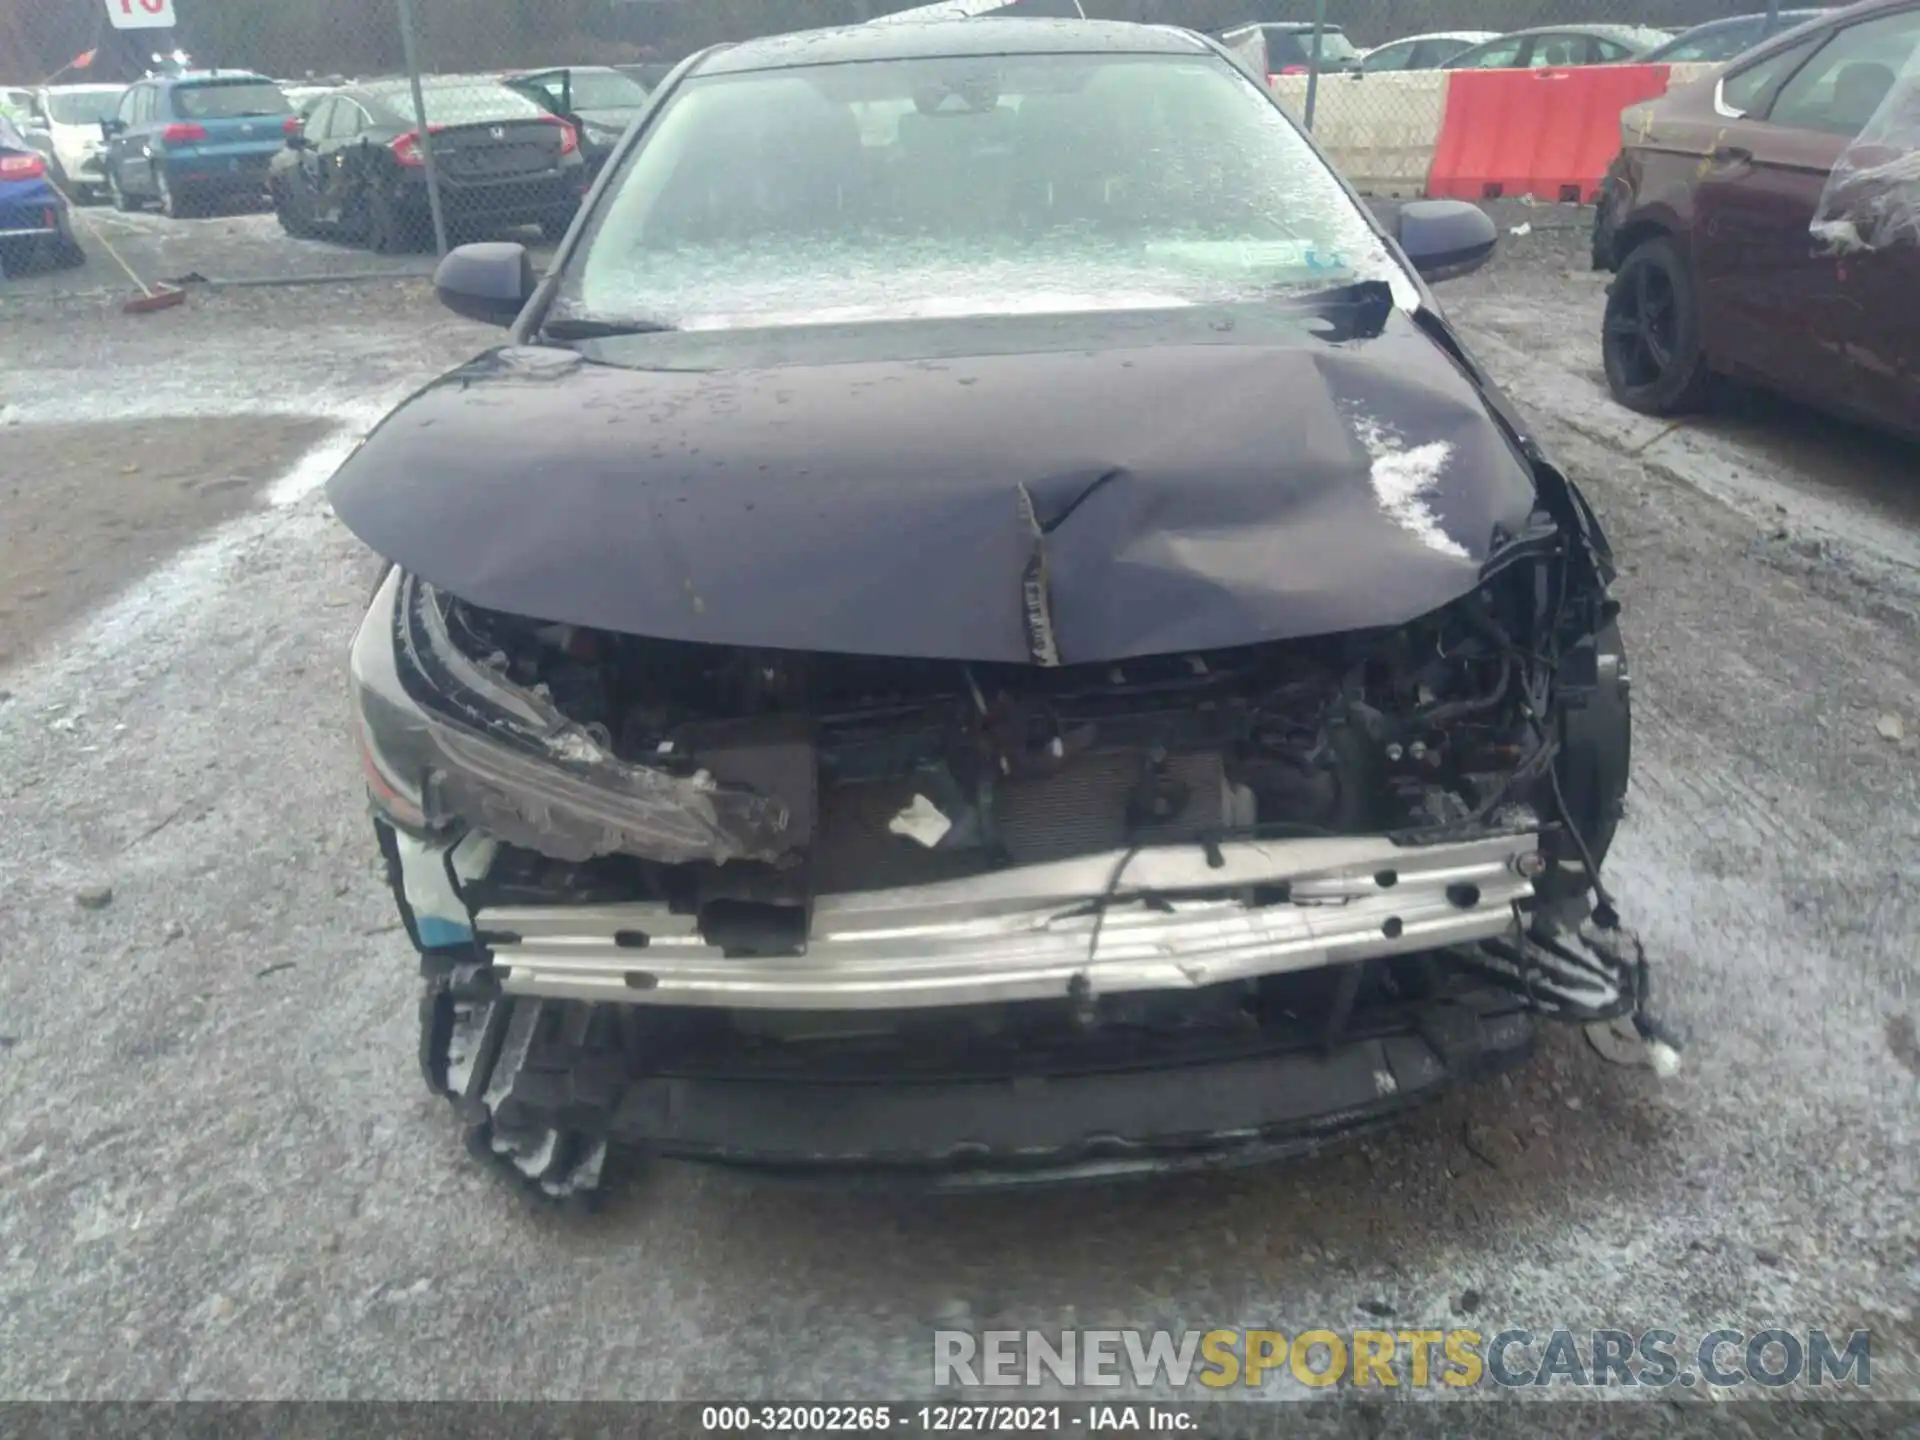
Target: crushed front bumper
1031	1129
1175	920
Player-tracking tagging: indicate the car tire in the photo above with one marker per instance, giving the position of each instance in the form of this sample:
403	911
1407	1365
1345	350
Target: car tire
60	251
384	233
289	218
121	200
1650	333
174	204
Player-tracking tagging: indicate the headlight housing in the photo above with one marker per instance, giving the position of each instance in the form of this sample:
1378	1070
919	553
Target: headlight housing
446	741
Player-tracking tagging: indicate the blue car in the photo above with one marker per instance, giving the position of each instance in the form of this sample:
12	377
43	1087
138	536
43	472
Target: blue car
1722	39
184	142
35	227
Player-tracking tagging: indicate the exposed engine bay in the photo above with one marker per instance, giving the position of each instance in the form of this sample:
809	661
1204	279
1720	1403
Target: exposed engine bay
804	774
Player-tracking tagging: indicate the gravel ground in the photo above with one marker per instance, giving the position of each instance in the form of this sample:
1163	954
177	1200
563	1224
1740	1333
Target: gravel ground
222	1176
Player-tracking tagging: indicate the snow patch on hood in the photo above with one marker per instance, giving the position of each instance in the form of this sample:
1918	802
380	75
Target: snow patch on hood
1403	476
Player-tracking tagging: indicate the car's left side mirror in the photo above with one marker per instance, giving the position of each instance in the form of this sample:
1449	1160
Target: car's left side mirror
110	128
489	281
1444	238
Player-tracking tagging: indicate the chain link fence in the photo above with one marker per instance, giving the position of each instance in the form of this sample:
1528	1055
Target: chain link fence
403	126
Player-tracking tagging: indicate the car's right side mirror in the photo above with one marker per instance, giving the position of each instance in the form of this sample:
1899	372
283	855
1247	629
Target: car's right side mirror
1444	238
489	281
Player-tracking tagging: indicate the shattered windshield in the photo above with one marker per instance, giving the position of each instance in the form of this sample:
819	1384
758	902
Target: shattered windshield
970	186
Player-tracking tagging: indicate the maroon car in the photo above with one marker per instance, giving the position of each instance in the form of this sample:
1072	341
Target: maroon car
1708	219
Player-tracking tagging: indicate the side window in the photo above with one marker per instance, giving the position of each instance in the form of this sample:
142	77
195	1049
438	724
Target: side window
1285	48
1391	57
319	118
1557	51
127	103
1838	90
346	121
1746	90
1718	45
1500	54
1610	52
144	107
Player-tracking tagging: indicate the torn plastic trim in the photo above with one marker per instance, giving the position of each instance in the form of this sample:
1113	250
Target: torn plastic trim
432	870
1177	922
463	744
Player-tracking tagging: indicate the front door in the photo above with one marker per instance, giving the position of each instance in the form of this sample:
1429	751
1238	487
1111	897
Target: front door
121	145
1775	301
338	160
1769	300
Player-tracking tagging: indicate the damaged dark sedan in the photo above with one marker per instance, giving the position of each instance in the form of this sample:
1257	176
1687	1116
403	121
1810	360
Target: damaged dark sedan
982	630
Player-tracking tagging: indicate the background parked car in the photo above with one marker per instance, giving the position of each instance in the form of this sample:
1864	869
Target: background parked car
1719	40
1289	47
1423	52
299	95
599	101
1561	45
34	222
1707	215
649	73
72	116
354	166
187	141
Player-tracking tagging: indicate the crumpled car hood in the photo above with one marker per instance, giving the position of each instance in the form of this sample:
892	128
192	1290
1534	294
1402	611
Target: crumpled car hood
1065	506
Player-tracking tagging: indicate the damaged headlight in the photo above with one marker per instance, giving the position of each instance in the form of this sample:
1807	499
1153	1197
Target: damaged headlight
445	740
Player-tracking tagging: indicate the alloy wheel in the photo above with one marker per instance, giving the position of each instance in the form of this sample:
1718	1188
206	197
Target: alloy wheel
1642	325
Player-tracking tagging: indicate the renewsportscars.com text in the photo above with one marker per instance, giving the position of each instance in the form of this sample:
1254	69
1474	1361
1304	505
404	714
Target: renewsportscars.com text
1459	1359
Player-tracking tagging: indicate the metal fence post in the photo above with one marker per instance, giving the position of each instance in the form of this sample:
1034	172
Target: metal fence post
1313	58
412	54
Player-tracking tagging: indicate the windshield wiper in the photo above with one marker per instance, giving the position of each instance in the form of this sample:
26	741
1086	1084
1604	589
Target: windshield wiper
603	329
1366	303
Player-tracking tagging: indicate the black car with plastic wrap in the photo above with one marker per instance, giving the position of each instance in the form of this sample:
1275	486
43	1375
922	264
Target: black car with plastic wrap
981	629
355	163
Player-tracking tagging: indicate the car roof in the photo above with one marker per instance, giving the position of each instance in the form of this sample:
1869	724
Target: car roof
1605	32
1728	22
939	39
1290	27
201	77
1476	36
1788	20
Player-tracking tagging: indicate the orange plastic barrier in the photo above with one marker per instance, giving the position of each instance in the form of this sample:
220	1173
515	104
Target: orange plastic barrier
1546	133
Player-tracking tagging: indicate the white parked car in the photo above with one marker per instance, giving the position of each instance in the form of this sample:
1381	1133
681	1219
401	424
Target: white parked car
1422	52
71	115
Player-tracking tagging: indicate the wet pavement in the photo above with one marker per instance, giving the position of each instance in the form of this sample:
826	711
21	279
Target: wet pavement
221	1176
